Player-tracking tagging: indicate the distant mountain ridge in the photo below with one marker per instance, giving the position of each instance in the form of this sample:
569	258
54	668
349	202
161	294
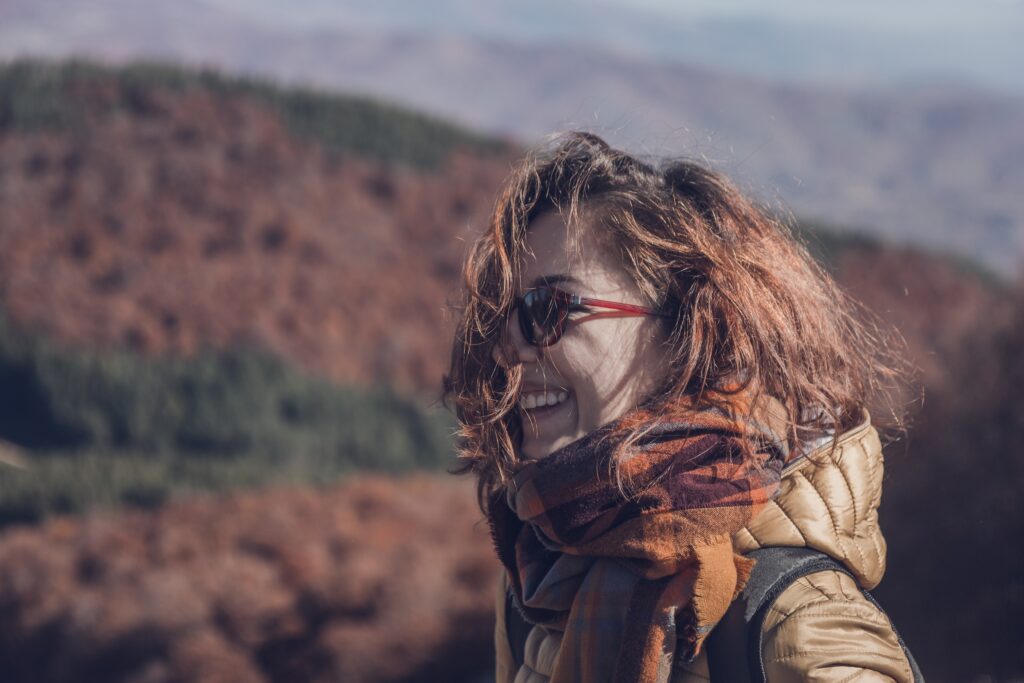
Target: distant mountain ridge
938	165
171	211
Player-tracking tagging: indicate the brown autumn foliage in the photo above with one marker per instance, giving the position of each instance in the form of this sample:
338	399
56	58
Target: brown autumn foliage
935	303
199	219
951	507
206	223
954	515
374	580
202	221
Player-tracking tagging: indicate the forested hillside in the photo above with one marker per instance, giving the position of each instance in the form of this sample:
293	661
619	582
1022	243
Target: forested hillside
210	284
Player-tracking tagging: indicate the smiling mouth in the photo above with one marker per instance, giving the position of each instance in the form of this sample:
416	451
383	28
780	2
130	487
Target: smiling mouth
538	403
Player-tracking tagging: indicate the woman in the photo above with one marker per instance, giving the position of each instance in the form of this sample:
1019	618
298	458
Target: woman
654	379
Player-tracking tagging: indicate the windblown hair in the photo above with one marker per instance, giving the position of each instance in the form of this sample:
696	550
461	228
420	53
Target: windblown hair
745	300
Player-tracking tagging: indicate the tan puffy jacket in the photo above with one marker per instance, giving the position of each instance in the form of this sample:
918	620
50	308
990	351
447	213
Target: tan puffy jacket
821	628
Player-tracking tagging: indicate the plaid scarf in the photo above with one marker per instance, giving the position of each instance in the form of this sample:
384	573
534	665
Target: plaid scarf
634	581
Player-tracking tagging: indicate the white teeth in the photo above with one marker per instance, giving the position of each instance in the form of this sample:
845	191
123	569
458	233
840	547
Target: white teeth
541	399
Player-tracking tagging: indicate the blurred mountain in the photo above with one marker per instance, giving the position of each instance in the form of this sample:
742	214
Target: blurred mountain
161	210
169	210
166	210
937	163
872	43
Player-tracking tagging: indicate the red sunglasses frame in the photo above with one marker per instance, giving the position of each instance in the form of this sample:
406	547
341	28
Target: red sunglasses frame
567	301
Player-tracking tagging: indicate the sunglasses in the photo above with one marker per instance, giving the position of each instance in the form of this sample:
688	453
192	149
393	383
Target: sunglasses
544	313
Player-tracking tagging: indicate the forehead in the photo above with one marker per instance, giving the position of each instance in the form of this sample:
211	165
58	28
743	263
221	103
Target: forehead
555	248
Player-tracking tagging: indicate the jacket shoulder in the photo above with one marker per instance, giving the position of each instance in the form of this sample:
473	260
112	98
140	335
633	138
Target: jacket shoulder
822	628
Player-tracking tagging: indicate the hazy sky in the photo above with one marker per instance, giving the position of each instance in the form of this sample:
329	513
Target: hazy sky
867	42
870	14
866	14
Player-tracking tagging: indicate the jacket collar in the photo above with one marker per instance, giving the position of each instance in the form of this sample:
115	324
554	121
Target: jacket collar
829	501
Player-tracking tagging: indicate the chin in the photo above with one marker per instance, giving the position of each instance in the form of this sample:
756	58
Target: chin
536	449
539	449
534	453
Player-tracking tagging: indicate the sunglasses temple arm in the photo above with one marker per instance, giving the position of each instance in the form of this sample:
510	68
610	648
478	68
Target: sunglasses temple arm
611	314
614	305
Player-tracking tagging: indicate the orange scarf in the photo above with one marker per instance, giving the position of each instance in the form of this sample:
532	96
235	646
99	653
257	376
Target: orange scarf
634	582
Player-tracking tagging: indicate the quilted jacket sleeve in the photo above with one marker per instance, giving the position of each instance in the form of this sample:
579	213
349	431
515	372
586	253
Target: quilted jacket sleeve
822	628
503	663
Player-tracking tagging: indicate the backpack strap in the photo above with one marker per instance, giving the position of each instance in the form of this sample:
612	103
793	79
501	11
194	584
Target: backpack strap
740	630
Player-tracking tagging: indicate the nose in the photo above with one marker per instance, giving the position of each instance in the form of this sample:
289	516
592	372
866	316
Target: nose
513	348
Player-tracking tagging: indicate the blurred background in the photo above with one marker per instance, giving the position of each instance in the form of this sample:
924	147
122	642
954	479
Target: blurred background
230	240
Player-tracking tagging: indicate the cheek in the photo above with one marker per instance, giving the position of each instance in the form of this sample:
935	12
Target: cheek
602	371
613	369
614	392
576	364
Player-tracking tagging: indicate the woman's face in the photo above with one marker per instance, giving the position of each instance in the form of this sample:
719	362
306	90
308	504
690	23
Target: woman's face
600	368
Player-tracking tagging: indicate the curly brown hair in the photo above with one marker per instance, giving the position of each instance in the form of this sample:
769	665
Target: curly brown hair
744	297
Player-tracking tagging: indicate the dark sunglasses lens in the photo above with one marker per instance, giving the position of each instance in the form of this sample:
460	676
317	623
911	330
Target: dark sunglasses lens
540	317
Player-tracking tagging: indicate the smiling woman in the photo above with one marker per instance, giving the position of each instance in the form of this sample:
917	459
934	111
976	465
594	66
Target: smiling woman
662	397
594	372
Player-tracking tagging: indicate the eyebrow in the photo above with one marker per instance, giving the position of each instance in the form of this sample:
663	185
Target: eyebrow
542	280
